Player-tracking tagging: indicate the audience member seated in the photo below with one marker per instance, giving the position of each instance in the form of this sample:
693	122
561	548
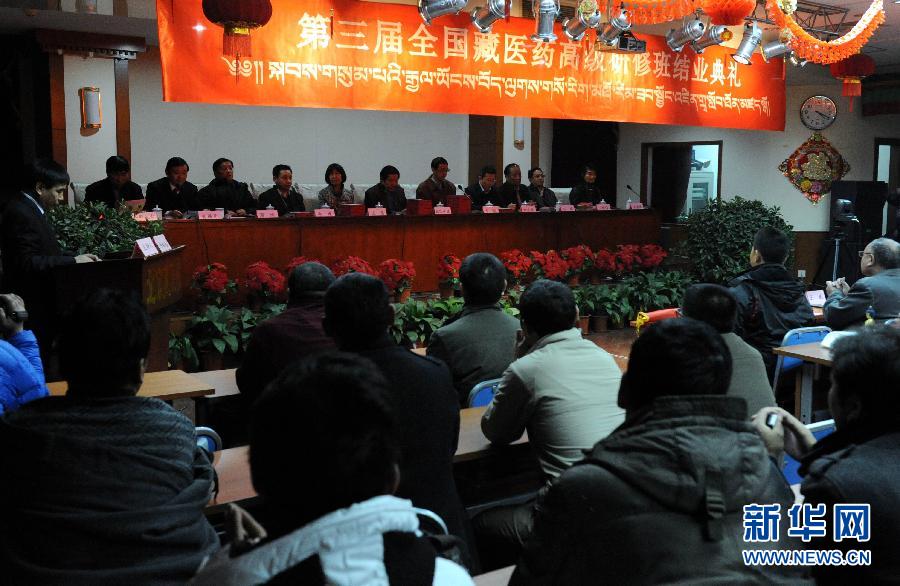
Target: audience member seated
387	192
226	193
484	190
770	301
358	314
173	194
543	196
332	519
101	486
586	193
295	333
858	462
661	499
716	306
512	192
21	371
334	193
479	342
282	196
436	187
562	389
117	187
877	293
29	249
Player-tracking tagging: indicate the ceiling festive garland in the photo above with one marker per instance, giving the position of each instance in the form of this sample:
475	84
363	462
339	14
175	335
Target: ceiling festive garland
657	11
812	49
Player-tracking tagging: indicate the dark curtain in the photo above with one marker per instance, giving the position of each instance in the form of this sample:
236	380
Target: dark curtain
578	142
671	173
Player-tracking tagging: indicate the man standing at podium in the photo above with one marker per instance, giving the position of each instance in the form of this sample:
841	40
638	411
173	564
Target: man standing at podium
29	249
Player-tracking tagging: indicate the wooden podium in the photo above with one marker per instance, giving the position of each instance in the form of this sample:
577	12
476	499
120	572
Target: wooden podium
157	280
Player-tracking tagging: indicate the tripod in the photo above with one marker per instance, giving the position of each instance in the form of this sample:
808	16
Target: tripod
840	252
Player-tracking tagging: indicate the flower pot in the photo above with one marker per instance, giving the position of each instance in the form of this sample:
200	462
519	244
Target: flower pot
584	322
573	280
210	360
599	323
446	290
403	296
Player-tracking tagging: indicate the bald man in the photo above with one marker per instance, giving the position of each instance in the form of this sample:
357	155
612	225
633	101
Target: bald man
879	288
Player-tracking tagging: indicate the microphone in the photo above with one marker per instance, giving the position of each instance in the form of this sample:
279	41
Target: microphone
628	187
463	189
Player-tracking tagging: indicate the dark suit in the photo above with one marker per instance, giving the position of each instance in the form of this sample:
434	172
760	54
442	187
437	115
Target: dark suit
436	191
479	196
29	252
585	193
394	201
160	193
104	191
510	194
881	292
273	197
230	195
547	199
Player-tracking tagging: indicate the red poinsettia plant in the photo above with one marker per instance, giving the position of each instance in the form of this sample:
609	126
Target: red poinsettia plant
296	262
651	255
351	264
517	265
549	265
397	274
448	270
628	258
263	280
212	283
605	262
580	259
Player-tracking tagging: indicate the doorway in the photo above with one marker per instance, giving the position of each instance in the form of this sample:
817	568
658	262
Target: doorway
887	169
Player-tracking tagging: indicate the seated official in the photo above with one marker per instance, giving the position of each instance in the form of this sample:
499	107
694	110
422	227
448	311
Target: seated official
716	306
173	194
335	515
117	187
281	196
101	486
358	314
877	293
586	193
226	193
436	187
484	190
661	500
388	192
334	193
543	196
770	300
858	462
512	192
562	389
479	342
21	369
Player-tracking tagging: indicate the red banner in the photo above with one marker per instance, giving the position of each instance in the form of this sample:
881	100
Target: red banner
375	56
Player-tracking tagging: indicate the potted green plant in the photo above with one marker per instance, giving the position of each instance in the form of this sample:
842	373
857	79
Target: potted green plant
414	322
182	355
97	229
584	300
215	332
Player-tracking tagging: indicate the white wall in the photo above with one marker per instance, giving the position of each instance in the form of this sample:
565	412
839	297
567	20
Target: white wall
87	150
750	159
510	153
257	138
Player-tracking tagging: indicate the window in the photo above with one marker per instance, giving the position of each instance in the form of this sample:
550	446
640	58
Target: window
678	178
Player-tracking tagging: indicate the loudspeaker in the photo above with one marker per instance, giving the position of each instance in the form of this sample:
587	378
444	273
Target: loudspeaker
868	198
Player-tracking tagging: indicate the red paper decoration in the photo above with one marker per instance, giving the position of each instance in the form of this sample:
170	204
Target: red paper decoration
851	71
238	18
727	12
814	166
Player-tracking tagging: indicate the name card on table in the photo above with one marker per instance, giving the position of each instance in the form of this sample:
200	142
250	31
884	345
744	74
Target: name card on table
442	210
376	212
603	207
490	210
635	205
144	248
527	208
567	208
148	216
211	214
323	212
161	243
266	213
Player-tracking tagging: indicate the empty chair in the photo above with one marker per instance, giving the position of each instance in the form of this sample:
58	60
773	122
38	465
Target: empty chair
482	393
793	338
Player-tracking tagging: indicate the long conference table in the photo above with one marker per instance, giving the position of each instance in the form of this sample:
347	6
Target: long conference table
239	242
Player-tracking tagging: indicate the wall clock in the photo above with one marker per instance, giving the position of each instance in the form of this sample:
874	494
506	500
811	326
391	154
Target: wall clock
818	112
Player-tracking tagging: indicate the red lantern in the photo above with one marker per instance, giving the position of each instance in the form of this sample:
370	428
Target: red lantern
238	18
851	71
727	12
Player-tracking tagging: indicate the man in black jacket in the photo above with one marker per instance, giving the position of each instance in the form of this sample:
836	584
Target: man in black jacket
226	193
117	187
857	464
358	314
770	300
484	190
174	194
282	196
512	191
387	192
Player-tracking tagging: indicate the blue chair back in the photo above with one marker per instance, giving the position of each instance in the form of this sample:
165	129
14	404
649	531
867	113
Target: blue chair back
482	393
793	338
208	439
819	429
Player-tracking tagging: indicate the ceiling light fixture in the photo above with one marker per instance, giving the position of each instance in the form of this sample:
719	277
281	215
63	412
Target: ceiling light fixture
775	49
546	13
575	27
431	9
713	35
751	40
610	34
690	31
484	18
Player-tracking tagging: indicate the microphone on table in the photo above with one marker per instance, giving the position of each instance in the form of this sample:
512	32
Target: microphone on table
463	189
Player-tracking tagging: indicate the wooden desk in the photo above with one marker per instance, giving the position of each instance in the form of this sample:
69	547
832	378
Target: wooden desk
496	578
166	385
811	354
222	381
